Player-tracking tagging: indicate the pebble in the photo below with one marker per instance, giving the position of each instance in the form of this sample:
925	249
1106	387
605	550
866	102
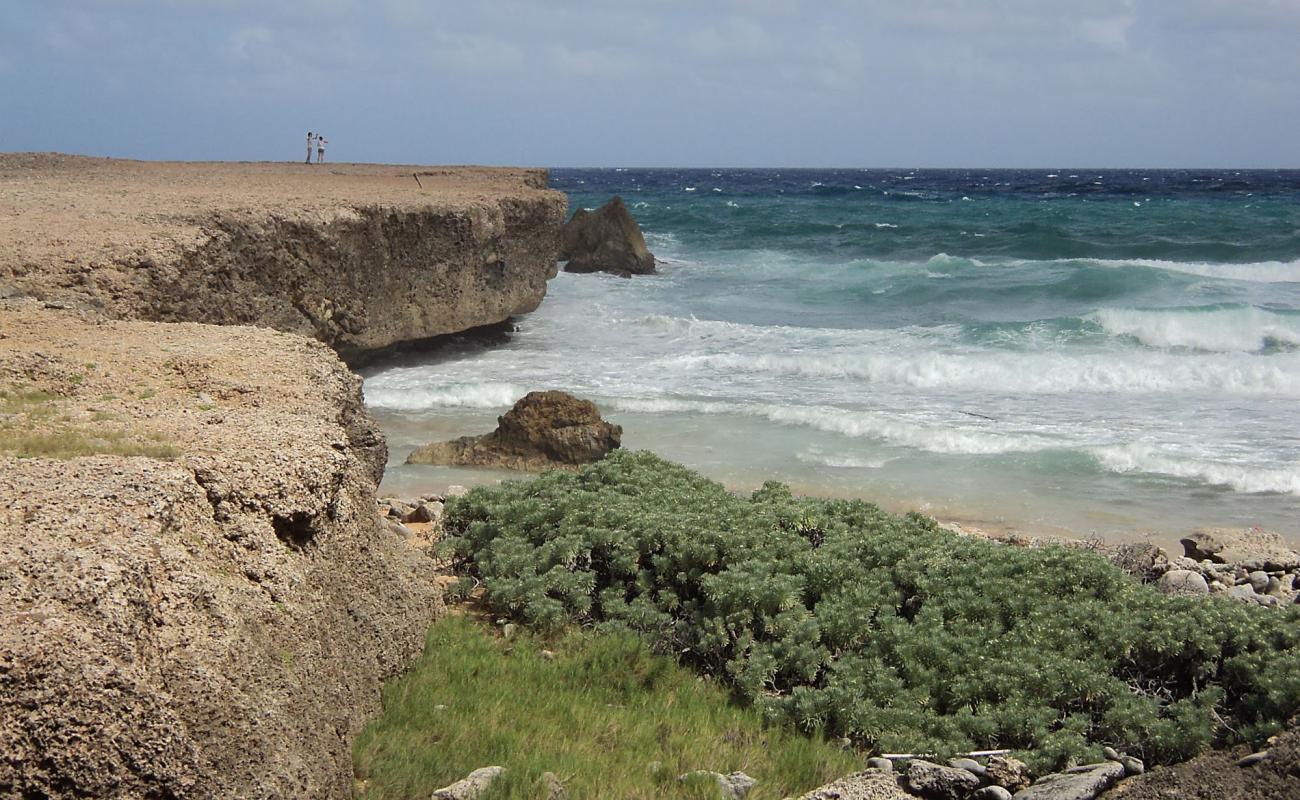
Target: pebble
1183	582
882	764
1258	580
1132	766
1252	759
1244	592
992	793
970	765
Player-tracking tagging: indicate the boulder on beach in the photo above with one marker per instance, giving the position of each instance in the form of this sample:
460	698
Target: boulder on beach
605	240
867	785
1248	548
544	430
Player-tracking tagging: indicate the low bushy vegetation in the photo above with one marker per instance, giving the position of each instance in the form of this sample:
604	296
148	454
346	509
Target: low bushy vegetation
601	711
837	616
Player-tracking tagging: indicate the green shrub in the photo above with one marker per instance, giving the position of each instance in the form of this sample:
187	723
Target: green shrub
836	615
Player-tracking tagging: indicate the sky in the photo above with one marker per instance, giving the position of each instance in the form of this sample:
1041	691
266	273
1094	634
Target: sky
887	83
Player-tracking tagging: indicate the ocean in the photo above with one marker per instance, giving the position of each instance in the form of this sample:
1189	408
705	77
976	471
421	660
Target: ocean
1053	351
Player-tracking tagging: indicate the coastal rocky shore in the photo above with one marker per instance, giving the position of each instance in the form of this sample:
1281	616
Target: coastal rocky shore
196	596
543	430
605	240
361	257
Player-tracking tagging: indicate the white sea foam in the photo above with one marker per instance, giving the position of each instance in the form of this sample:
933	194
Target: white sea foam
1222	330
947	438
1145	458
841	460
885	225
396	396
1257	272
1033	373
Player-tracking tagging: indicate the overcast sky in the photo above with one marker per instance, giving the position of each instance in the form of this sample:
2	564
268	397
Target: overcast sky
659	82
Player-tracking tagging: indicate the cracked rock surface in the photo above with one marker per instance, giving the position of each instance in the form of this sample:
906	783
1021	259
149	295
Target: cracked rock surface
196	596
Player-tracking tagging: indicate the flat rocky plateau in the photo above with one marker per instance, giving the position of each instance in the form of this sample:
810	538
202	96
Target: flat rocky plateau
360	256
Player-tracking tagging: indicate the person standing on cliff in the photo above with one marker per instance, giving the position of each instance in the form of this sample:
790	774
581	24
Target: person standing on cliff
320	149
311	140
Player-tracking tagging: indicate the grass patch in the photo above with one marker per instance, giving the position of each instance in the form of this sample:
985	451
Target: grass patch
598	713
68	443
837	616
26	401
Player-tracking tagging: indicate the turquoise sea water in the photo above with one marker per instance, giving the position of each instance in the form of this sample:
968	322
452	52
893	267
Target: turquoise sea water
1049	350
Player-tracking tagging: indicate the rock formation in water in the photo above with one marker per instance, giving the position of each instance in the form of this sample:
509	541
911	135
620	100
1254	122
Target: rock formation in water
361	257
197	598
544	430
605	240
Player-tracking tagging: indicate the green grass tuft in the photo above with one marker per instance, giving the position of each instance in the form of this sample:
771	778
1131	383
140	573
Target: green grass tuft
599	713
68	443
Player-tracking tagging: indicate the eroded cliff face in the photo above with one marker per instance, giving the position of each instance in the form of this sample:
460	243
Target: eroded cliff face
361	257
197	598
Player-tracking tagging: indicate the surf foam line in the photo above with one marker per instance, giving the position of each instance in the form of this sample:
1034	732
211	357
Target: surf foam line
945	439
1254	272
396	397
1044	373
1224	330
1146	459
1251	272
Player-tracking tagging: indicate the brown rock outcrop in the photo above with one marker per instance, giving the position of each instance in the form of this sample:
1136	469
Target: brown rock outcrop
605	240
196	596
544	430
360	256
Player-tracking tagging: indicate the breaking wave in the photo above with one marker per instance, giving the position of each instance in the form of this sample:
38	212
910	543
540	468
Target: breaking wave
1222	330
392	395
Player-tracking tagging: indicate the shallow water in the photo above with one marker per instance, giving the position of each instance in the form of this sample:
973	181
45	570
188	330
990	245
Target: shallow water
1115	353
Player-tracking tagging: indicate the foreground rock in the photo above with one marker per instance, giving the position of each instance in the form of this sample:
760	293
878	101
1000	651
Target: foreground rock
1250	549
544	430
1081	783
359	256
868	785
732	786
474	785
605	240
938	782
196	596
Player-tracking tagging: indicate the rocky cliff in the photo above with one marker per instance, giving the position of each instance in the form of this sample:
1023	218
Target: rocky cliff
361	257
197	598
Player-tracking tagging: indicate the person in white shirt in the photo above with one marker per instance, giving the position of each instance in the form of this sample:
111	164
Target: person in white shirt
311	139
320	149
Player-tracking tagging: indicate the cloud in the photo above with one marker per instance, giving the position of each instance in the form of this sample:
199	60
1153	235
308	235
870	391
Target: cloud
603	63
734	38
474	54
906	81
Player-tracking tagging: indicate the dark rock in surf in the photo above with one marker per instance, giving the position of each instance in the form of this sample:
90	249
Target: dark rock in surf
605	240
544	430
